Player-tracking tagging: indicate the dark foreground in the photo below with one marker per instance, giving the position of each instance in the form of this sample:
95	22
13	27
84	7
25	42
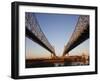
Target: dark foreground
55	62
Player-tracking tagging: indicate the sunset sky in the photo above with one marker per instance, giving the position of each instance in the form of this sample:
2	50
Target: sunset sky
57	29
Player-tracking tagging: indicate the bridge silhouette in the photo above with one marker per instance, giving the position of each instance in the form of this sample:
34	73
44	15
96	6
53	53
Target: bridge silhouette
80	34
35	33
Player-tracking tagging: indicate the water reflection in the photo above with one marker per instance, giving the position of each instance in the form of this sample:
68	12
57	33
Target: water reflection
69	64
58	64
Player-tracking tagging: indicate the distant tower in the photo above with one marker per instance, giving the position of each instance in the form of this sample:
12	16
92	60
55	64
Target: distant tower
51	55
64	49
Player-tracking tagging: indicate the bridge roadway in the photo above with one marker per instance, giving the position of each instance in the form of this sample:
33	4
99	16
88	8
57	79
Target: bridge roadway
61	59
67	59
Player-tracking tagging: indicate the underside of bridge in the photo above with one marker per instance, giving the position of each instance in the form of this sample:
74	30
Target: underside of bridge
34	32
80	34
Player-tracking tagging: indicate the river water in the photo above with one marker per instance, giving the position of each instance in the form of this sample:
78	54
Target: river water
69	64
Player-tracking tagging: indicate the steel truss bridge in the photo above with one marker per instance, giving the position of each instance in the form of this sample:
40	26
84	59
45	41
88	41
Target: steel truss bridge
35	33
80	34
